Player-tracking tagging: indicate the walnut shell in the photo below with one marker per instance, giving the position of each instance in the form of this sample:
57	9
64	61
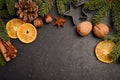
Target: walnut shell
84	28
101	30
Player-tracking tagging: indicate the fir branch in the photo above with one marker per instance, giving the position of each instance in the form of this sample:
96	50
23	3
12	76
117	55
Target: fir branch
65	1
38	2
3	32
45	7
4	14
115	54
115	38
100	14
2	61
2	2
94	4
116	15
11	6
76	1
103	7
60	7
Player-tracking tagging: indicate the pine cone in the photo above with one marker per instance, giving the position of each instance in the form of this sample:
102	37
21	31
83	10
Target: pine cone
26	10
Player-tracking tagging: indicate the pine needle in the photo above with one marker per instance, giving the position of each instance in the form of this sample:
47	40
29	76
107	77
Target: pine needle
114	37
60	7
102	8
11	6
115	54
2	2
2	61
116	15
4	14
65	1
100	15
94	4
38	2
3	32
76	1
45	7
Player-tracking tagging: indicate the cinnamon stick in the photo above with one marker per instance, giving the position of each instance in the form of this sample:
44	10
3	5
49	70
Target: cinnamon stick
8	50
11	49
4	52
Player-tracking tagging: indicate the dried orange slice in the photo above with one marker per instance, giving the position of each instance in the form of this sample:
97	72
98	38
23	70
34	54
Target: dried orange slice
12	27
103	50
27	33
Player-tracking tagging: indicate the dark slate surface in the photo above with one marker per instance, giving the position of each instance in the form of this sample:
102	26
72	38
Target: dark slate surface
59	54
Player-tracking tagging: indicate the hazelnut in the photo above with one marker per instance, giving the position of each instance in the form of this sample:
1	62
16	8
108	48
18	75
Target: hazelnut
48	18
101	30
84	28
38	23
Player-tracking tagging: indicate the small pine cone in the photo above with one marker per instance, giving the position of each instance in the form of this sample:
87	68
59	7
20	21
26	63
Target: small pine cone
27	10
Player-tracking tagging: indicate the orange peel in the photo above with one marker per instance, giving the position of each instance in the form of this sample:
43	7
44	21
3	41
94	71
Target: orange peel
12	26
103	50
26	33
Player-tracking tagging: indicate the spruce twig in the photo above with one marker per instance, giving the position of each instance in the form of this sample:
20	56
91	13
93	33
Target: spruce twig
38	2
94	4
11	6
3	32
115	54
76	1
2	61
65	1
60	7
102	8
4	14
100	15
116	15
2	2
114	37
45	7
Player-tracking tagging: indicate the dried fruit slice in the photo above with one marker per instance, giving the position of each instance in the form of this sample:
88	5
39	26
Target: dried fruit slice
12	27
103	50
27	33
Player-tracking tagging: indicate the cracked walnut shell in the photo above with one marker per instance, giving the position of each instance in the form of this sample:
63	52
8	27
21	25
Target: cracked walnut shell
101	30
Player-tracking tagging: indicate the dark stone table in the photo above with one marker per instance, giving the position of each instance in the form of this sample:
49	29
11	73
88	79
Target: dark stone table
59	54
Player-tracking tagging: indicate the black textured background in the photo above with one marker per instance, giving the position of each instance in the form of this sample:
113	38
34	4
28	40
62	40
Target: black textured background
59	54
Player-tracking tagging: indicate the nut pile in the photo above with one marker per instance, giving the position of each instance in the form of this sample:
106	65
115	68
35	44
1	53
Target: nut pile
100	30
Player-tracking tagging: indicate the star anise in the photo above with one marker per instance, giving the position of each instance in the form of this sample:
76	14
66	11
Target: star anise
59	21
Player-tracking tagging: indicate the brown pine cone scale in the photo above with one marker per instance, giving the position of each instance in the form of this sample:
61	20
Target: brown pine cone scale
27	10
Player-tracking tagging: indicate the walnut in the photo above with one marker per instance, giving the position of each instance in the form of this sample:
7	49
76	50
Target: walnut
84	28
101	30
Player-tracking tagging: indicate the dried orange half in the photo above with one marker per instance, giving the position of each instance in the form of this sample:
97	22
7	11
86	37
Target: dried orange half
27	33
103	50
12	27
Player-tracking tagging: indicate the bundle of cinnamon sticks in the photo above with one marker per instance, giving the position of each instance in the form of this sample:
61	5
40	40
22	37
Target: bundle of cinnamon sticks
7	50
